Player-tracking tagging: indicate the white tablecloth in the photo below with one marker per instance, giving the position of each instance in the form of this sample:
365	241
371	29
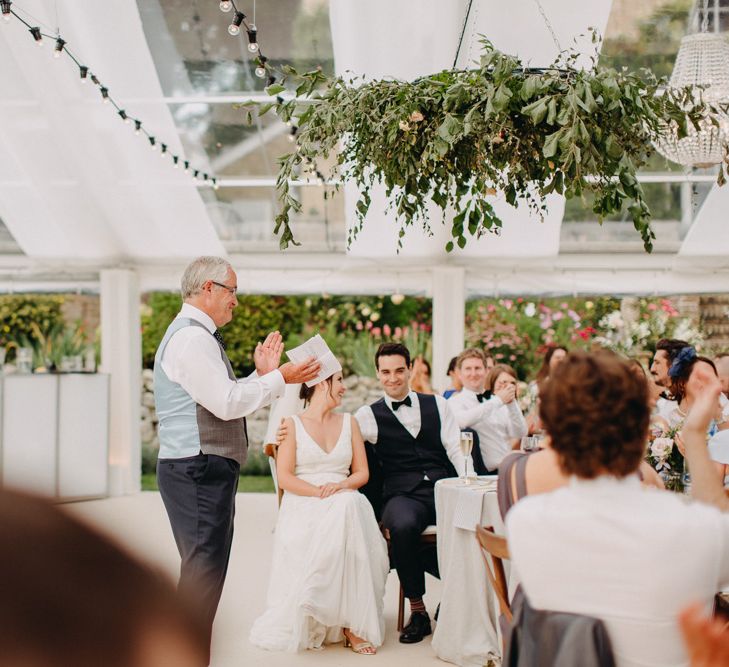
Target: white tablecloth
466	633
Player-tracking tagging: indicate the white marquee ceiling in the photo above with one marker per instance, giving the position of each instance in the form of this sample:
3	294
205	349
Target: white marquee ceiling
79	192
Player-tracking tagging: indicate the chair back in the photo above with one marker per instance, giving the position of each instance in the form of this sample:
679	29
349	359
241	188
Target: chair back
497	547
271	450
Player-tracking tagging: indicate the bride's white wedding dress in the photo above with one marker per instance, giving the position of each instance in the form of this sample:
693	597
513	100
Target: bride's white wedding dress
330	560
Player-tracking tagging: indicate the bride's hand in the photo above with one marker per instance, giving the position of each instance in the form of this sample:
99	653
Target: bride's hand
330	489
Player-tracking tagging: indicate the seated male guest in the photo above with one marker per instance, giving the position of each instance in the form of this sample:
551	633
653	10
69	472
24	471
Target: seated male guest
415	440
494	414
604	546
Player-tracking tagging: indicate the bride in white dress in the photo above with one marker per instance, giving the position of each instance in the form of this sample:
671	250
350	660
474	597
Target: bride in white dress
330	560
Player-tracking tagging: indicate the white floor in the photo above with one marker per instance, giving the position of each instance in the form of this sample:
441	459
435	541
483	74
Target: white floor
139	522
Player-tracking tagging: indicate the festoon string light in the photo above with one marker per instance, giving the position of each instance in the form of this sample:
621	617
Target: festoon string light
264	70
85	74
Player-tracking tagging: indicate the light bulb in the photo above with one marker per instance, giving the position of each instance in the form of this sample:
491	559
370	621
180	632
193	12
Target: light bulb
225	5
83	73
234	27
153	143
260	71
252	41
175	161
5	6
137	126
59	47
37	36
104	95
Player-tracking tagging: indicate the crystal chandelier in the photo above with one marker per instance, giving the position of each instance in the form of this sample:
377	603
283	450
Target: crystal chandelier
702	61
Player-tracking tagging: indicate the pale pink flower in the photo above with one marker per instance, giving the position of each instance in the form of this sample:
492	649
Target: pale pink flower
386	330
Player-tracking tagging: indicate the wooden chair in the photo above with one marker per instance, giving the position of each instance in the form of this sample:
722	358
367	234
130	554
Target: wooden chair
497	547
427	538
271	450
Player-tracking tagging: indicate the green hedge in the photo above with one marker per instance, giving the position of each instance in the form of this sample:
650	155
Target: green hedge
18	313
253	319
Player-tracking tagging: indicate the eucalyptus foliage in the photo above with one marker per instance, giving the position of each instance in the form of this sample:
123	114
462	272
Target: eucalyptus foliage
460	138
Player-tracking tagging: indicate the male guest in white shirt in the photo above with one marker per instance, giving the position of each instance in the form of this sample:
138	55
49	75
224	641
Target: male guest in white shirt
415	439
201	408
473	409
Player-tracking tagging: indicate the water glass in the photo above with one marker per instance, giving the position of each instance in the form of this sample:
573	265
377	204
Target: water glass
24	360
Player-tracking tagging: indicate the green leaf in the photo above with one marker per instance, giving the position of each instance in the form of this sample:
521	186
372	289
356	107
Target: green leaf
502	97
551	144
536	110
451	129
275	89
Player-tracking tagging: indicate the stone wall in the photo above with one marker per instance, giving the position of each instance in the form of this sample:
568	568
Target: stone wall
360	391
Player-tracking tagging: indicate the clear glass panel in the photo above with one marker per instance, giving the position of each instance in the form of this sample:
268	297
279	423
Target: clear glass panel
244	218
581	231
220	135
195	55
645	34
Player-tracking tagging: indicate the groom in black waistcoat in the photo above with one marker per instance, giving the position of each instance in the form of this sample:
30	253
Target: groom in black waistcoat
413	441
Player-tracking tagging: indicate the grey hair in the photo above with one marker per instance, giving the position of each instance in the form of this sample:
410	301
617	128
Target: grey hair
199	271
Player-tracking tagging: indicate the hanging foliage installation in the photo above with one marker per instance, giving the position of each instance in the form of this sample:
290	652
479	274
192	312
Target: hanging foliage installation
460	139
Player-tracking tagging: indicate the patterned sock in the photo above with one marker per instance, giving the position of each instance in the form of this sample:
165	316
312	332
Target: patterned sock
417	605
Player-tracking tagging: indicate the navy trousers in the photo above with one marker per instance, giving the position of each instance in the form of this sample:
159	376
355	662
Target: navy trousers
406	515
199	495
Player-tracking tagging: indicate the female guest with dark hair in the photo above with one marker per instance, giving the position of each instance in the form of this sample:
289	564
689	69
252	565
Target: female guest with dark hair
554	355
455	378
552	358
685	385
606	546
330	560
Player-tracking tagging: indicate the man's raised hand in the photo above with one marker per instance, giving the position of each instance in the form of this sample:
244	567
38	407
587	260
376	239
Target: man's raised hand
298	373
267	354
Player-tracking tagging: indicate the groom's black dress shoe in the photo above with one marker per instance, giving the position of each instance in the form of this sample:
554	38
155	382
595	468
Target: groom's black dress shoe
417	628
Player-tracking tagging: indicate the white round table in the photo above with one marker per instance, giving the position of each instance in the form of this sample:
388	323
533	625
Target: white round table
467	630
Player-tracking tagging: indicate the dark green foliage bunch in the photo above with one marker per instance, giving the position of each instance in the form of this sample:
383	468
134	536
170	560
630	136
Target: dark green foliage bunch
459	138
25	317
253	319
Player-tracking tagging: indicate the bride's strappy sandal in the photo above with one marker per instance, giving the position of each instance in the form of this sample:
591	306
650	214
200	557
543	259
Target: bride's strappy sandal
360	648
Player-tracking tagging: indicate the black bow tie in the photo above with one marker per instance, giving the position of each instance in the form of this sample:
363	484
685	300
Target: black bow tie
405	401
483	397
219	338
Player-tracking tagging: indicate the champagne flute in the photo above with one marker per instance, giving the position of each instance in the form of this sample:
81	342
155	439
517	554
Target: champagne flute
466	447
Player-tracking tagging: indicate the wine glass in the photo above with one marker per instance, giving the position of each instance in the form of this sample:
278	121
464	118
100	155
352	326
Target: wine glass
466	447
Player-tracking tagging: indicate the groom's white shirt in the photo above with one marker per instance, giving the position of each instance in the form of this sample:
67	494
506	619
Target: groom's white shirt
409	417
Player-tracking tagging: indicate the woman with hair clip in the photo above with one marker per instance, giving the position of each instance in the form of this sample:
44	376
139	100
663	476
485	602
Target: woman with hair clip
686	375
330	560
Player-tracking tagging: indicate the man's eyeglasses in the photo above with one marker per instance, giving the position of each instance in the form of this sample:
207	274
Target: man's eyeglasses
231	290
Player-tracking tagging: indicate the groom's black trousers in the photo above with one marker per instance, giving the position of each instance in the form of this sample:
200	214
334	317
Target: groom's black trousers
406	515
199	495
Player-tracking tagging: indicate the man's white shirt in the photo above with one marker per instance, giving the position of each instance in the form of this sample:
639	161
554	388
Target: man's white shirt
409	417
493	420
192	359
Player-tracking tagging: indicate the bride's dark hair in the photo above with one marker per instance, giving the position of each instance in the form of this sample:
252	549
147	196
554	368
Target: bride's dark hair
306	393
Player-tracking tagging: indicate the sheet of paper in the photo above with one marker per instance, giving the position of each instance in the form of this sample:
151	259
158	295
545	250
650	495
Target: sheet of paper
316	347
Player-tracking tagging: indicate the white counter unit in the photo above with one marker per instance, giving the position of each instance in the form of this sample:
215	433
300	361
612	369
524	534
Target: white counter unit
54	434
